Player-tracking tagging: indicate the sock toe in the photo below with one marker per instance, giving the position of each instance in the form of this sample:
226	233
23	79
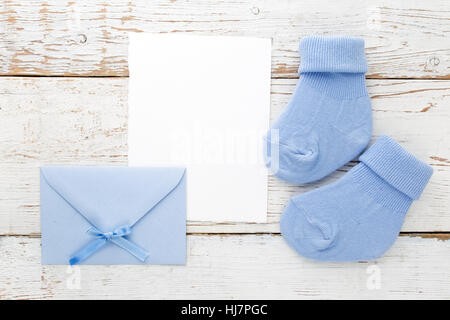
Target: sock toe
292	162
308	236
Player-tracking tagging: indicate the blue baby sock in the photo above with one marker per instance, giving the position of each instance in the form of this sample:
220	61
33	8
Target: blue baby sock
328	121
359	216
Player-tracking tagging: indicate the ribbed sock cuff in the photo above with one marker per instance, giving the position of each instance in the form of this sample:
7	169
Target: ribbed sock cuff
338	85
381	191
332	54
397	167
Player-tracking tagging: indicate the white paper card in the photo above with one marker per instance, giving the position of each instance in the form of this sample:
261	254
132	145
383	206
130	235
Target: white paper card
203	102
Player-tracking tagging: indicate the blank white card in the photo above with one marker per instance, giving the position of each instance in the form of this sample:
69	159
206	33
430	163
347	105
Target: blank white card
203	102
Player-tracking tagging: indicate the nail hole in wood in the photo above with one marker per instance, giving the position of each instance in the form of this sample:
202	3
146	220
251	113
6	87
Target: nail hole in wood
255	11
83	38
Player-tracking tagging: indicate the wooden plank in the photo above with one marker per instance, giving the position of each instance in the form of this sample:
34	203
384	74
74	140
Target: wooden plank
84	121
89	38
233	267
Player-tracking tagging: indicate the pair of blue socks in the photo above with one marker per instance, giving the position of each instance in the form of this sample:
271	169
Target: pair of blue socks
327	123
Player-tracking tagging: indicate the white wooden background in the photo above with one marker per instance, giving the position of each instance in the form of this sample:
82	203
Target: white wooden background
63	100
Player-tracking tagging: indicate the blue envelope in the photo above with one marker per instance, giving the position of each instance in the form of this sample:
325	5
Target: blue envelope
113	215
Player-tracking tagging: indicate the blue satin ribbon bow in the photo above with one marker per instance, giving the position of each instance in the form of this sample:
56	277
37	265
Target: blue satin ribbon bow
101	238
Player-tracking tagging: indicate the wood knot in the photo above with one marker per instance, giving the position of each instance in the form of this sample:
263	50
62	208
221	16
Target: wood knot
434	61
431	64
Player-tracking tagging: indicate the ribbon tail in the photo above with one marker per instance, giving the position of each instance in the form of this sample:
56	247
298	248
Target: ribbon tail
131	247
86	251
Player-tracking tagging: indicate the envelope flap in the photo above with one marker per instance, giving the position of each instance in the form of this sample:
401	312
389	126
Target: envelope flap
108	197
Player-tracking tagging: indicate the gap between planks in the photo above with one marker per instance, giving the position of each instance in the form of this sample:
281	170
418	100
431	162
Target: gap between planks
273	77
